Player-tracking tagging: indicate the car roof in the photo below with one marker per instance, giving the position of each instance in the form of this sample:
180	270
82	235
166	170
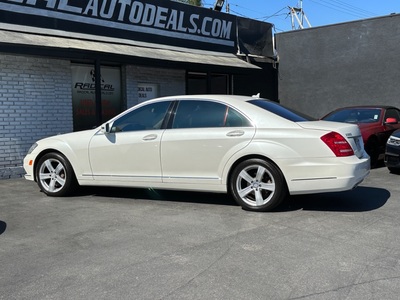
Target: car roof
253	112
224	98
234	100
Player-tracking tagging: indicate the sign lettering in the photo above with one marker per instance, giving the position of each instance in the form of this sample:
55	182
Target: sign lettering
150	17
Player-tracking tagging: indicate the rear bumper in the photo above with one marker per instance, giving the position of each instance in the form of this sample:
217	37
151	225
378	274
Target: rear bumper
328	175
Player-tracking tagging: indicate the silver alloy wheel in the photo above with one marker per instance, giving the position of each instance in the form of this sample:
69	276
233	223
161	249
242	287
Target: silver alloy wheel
52	175
255	185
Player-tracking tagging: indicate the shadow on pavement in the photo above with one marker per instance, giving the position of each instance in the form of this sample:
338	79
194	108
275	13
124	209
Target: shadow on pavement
3	226
160	195
357	200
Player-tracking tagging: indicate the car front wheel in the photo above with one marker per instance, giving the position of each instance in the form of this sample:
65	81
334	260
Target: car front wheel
257	185
54	175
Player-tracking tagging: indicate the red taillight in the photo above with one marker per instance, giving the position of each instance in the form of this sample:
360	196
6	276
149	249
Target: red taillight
338	144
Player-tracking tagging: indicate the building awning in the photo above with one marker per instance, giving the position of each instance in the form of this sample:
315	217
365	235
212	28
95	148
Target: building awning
19	37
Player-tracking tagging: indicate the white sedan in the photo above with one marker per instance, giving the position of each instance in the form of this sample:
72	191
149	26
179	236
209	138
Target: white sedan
255	149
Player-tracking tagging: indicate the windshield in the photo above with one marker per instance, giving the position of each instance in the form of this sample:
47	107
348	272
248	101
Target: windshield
281	111
355	115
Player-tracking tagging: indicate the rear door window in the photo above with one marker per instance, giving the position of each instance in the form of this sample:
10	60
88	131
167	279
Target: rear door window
202	114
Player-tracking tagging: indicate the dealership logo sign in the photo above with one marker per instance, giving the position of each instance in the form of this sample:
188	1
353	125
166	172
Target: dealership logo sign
85	87
175	20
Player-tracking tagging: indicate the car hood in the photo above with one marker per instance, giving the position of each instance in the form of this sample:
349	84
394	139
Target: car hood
396	133
368	125
83	135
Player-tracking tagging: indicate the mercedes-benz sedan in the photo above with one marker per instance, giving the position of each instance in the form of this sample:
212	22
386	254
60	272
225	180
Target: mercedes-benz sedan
255	149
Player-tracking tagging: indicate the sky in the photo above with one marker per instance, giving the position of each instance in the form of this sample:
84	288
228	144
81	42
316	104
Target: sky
318	12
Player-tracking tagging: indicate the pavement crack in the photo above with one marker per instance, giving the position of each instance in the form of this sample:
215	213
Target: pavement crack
344	287
209	266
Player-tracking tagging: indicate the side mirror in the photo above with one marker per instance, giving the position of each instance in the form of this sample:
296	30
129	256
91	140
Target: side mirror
105	128
391	121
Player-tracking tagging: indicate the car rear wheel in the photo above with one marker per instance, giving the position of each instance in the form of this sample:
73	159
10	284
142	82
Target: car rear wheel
55	176
257	185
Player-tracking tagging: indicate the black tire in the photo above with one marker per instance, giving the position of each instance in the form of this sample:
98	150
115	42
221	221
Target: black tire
394	170
372	148
55	176
257	185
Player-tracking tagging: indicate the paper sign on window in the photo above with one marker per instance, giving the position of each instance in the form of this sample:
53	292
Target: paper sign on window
147	91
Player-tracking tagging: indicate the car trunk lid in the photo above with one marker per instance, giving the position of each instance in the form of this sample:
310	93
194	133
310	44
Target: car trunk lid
350	132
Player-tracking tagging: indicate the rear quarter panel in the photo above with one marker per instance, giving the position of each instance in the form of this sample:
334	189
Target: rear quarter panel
286	148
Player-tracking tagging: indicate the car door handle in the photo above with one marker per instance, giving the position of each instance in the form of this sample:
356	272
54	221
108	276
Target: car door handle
150	137
235	133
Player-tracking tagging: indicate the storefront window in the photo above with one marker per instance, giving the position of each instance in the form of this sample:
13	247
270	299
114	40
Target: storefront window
84	95
219	84
207	83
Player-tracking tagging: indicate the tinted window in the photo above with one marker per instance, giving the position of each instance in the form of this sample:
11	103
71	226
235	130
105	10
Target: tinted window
200	114
281	111
235	119
355	115
147	117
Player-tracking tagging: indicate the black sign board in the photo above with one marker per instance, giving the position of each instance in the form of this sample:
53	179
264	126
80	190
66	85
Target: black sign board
154	21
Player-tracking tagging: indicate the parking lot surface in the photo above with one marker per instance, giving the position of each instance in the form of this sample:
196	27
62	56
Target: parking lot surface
108	243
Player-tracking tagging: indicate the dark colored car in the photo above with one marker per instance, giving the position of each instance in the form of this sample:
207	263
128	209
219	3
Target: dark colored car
376	123
392	153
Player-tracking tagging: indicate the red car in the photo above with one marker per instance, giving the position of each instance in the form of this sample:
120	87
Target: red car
376	122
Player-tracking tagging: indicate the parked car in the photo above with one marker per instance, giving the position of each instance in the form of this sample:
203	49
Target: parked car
256	149
376	123
392	153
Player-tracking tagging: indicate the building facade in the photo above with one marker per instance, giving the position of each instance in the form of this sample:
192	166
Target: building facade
68	65
353	63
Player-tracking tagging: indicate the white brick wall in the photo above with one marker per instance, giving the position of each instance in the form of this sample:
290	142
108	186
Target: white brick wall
35	102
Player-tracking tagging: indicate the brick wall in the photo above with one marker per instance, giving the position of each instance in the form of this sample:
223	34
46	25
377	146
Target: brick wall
35	102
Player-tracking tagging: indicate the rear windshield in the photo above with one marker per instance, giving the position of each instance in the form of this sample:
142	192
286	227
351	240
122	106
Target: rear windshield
281	111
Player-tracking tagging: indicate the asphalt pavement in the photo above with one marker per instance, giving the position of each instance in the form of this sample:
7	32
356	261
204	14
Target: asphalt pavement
109	243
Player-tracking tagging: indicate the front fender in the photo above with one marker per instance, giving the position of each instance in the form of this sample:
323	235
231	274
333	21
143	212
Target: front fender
74	147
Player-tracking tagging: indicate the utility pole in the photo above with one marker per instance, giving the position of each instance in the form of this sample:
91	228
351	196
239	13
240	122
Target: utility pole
218	5
297	13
